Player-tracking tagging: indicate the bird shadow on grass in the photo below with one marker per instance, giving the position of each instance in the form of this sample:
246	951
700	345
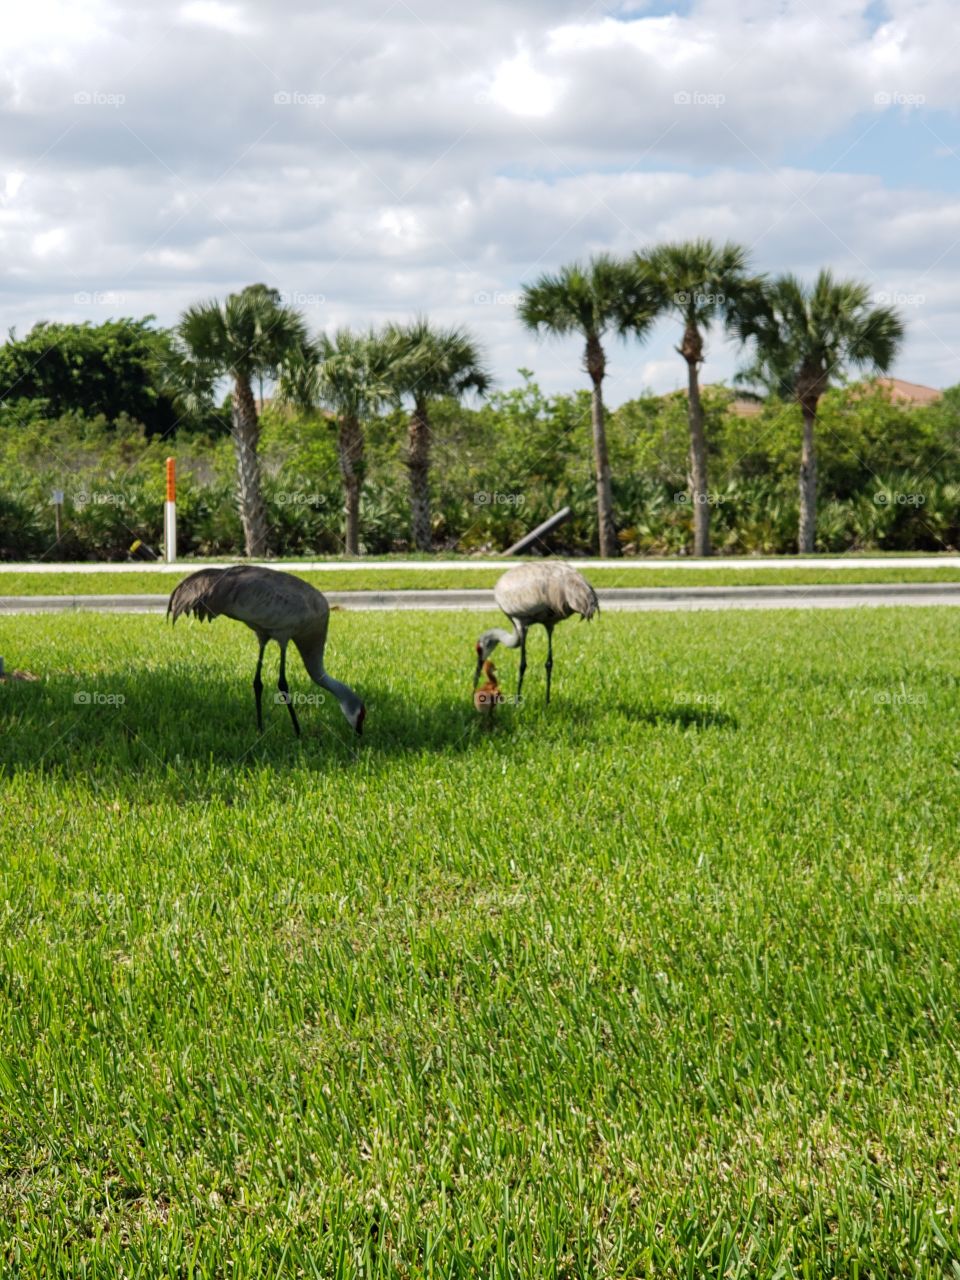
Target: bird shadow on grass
156	720
149	727
685	715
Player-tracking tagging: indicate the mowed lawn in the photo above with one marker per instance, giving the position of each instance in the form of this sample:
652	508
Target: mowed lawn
380	576
661	981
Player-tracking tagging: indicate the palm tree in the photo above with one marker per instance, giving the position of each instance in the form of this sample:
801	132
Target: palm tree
805	335
246	337
431	363
700	283
592	300
351	375
267	293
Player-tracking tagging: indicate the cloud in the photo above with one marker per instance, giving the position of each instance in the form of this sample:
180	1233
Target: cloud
216	14
395	158
522	90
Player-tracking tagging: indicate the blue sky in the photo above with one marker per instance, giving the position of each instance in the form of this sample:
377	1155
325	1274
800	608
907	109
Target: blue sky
395	157
906	147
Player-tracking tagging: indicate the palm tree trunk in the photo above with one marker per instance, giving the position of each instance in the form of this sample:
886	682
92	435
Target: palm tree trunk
350	456
246	437
418	469
807	536
699	495
606	527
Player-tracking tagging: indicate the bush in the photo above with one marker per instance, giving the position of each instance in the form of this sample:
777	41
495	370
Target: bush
499	470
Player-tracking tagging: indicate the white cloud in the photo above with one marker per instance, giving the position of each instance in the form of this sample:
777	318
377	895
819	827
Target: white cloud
12	183
44	26
671	40
216	14
48	243
457	153
520	88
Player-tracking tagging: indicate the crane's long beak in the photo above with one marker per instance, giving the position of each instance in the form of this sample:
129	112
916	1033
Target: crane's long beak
479	671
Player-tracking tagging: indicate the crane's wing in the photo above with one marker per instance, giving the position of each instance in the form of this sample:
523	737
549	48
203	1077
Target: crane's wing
201	594
269	602
580	596
545	590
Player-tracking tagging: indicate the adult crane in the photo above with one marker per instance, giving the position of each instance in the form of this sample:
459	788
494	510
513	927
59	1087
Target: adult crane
542	592
275	606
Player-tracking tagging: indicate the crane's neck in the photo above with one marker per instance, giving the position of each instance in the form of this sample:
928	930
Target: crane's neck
349	701
509	639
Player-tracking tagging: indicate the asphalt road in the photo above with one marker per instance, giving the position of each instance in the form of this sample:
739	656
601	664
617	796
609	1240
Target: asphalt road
820	596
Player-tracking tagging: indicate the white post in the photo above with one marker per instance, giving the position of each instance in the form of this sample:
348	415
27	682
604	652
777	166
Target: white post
170	514
57	510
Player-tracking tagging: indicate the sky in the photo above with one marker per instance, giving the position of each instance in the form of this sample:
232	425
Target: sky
386	158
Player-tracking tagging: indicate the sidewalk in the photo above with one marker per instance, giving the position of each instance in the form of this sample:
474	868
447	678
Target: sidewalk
627	562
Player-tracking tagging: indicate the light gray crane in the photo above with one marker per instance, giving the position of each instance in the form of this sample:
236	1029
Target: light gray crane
275	606
544	592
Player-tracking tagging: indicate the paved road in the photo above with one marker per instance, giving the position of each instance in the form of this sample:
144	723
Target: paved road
613	598
639	562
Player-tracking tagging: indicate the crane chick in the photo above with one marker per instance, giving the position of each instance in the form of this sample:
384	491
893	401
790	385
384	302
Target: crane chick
486	698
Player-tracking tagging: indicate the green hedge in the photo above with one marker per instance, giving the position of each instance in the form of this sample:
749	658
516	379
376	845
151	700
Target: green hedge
887	479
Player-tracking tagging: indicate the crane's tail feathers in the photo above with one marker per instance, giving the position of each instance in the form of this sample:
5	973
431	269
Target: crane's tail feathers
194	596
583	599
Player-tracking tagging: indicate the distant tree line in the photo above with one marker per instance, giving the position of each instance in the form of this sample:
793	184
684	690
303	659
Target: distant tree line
798	340
888	477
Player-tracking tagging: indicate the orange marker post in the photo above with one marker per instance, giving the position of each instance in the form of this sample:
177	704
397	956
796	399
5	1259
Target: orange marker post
170	514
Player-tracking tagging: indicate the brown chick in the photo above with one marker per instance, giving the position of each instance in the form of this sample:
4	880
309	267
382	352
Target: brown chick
486	697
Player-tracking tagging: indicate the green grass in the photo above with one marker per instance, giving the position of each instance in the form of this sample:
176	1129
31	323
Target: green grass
662	981
383	578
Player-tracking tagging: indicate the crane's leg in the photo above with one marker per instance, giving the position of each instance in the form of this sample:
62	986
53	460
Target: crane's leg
258	686
523	663
548	665
285	689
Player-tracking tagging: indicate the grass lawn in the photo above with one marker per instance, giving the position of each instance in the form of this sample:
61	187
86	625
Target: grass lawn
380	577
662	981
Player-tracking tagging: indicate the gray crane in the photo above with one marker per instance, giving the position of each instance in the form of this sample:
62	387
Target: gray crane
275	606
544	592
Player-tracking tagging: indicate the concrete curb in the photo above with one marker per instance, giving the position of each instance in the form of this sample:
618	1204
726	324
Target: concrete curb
820	596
